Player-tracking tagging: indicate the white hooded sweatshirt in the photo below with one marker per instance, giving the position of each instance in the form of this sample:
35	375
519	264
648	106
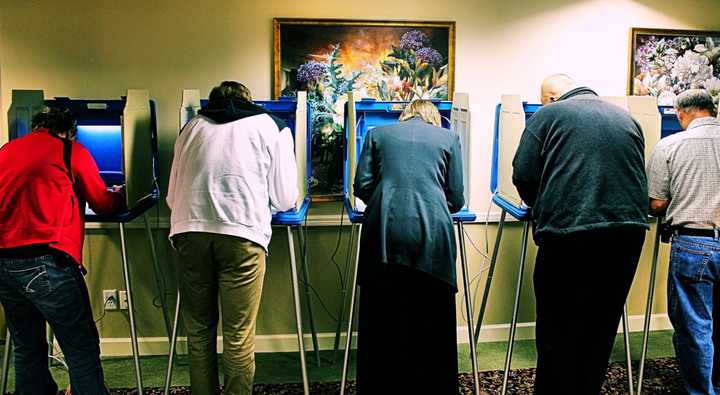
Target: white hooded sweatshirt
227	178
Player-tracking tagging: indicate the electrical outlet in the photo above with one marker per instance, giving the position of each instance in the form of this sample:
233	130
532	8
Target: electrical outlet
122	298
110	299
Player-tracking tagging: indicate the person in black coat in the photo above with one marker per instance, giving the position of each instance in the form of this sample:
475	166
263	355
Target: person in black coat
580	166
410	176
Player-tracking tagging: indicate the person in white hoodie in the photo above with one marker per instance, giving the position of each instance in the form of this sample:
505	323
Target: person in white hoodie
234	164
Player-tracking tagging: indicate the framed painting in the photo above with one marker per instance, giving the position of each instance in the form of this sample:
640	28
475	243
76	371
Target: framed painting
383	60
664	63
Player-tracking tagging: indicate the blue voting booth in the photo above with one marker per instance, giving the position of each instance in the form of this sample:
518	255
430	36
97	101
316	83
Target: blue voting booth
360	118
670	123
297	114
99	129
117	133
520	212
368	115
286	109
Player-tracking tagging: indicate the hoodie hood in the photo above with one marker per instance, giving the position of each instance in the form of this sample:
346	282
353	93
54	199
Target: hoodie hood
230	110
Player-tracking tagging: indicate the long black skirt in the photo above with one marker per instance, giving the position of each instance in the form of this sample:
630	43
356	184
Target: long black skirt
407	340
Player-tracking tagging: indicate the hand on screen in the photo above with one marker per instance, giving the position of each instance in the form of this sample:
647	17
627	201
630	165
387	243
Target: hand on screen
118	189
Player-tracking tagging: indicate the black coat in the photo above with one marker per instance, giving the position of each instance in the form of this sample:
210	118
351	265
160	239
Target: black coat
410	176
580	165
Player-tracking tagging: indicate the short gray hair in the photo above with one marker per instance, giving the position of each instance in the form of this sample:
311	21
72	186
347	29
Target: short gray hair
695	100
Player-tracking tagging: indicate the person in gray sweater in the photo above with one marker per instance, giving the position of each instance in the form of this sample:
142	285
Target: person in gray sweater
580	166
410	177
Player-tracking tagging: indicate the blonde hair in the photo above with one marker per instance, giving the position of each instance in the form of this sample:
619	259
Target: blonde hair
425	109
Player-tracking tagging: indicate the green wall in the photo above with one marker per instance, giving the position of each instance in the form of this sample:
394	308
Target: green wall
103	260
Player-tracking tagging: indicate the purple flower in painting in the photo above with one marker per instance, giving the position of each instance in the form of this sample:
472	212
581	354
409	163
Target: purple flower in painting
644	52
414	39
429	56
656	54
311	71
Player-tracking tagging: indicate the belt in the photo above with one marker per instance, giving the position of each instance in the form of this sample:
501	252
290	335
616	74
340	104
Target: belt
695	232
28	252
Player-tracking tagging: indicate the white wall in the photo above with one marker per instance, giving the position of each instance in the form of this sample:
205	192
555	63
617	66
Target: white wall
100	48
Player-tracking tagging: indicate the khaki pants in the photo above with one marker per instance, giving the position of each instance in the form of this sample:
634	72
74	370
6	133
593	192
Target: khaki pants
234	268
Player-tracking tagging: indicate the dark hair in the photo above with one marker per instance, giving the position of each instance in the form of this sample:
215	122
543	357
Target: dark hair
230	90
58	120
695	99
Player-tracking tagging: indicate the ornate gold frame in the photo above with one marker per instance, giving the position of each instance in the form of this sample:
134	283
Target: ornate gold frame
277	55
635	31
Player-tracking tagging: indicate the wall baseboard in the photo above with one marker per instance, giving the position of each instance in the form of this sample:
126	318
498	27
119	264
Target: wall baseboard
288	342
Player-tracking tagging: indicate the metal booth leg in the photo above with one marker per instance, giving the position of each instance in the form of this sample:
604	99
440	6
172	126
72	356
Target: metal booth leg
628	355
173	344
468	306
308	298
298	313
648	306
491	272
158	275
516	306
6	362
343	298
131	310
351	317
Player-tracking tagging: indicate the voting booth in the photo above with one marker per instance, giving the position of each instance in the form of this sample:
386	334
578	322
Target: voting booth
363	116
510	118
670	123
297	114
360	118
121	135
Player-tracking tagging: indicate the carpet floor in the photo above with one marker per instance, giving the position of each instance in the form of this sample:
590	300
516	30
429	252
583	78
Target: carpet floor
661	377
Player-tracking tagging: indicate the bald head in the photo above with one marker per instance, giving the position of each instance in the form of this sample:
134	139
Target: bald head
554	86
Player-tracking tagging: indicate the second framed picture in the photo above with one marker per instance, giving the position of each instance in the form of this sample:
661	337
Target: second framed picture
664	63
383	60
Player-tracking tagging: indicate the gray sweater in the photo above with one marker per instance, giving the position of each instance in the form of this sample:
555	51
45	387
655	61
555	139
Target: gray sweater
580	166
410	176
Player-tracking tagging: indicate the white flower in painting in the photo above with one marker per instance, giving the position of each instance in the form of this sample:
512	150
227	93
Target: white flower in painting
663	84
668	58
713	86
654	84
700	48
395	83
666	98
691	70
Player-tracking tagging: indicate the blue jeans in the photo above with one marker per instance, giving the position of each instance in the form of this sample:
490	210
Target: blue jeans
50	289
694	302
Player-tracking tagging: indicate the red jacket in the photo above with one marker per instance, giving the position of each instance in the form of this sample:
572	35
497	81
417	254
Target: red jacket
39	203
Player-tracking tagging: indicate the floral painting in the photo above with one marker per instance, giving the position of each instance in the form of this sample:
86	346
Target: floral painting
667	62
388	61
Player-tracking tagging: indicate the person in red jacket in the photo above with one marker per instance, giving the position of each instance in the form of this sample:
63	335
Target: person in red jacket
45	179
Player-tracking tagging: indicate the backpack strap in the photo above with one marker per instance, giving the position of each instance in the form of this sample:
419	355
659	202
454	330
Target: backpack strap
67	158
